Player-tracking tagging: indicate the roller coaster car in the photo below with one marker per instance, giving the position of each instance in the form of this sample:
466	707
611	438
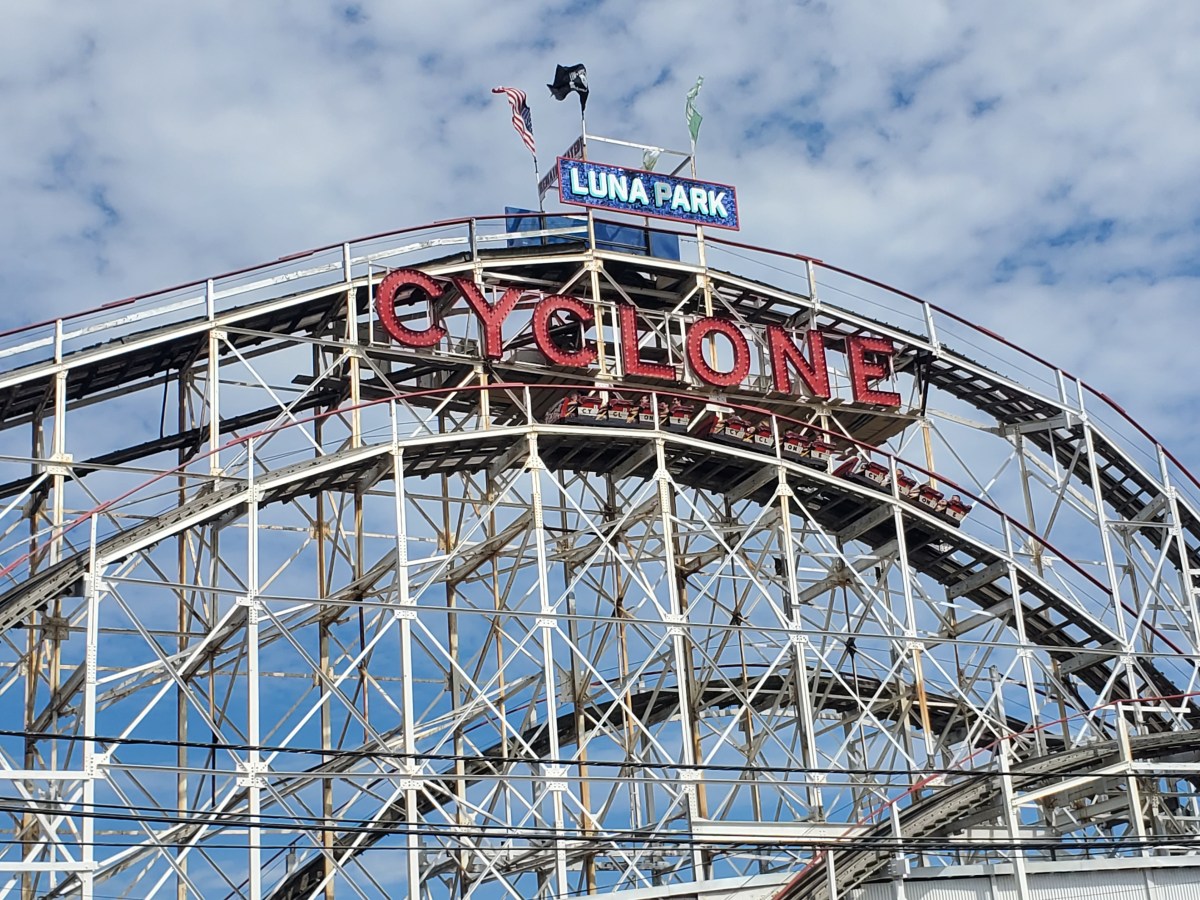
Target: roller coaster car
954	509
930	498
867	472
645	413
795	446
808	451
590	409
622	412
680	416
731	430
576	410
822	450
563	411
926	496
764	436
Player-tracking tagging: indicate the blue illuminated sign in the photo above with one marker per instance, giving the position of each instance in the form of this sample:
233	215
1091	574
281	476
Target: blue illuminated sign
646	193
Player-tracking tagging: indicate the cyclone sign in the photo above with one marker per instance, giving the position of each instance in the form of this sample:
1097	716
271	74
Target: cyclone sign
868	359
646	193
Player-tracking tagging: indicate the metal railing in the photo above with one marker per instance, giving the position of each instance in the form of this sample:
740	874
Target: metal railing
806	276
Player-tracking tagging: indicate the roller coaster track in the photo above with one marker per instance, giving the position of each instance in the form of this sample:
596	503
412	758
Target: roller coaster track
937	812
648	706
935	548
1146	495
654	705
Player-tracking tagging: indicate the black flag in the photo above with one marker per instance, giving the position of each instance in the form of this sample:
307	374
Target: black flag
568	79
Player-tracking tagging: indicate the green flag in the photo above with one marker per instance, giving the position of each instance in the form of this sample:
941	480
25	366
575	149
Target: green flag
650	157
693	118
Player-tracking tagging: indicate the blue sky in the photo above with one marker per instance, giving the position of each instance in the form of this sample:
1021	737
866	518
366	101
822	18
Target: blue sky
1028	165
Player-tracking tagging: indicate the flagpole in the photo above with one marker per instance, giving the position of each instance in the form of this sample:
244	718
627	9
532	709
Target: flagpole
537	181
693	119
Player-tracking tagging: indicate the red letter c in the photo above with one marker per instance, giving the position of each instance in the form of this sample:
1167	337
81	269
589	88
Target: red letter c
385	305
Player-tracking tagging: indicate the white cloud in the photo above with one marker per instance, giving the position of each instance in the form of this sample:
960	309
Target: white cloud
1029	165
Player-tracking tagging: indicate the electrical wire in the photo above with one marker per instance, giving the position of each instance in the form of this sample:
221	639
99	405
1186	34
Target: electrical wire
578	835
498	762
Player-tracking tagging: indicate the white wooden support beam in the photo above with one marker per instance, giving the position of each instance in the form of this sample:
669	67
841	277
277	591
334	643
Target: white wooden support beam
984	576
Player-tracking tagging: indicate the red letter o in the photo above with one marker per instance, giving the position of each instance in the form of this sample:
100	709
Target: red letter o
701	329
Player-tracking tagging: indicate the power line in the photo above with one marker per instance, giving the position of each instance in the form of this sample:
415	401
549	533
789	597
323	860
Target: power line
281	823
501	761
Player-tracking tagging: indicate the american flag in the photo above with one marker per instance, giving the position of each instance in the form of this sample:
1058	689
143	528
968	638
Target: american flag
521	118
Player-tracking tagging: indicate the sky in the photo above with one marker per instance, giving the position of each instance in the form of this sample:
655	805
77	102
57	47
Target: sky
1026	165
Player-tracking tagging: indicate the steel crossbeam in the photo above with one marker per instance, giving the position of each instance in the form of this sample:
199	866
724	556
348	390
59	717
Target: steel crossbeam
358	596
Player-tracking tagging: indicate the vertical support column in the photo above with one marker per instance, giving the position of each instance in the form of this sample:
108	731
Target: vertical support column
406	613
214	399
328	821
253	781
499	605
1132	785
641	793
1013	823
912	643
1036	549
811	272
931	329
800	643
323	645
677	618
579	697
1025	651
43	626
60	459
353	351
55	625
357	568
1012	816
92	587
182	542
1186	575
1030	517
1061	380
26	831
606	369
701	256
705	284
553	776
446	544
899	863
1109	564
